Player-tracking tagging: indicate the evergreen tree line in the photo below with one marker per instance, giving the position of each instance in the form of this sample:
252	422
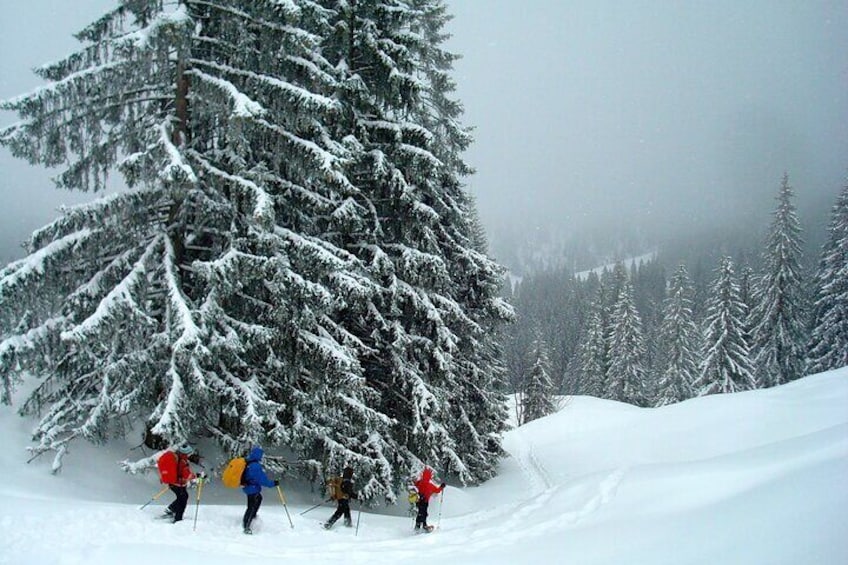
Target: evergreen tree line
637	335
295	261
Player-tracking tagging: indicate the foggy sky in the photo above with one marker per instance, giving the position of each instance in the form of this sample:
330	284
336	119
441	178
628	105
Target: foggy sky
585	113
598	112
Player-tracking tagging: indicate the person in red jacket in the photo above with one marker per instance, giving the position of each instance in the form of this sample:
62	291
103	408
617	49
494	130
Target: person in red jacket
426	488
175	471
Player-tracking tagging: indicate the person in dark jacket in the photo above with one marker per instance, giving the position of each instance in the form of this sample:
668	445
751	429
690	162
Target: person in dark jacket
426	488
343	502
254	479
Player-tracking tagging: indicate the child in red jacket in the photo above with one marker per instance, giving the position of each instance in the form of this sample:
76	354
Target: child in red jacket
426	488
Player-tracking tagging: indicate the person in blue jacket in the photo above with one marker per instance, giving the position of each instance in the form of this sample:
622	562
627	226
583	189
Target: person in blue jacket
254	479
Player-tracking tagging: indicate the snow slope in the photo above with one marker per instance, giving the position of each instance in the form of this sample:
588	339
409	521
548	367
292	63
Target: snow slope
753	478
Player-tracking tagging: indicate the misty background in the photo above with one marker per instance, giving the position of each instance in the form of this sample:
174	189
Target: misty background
651	119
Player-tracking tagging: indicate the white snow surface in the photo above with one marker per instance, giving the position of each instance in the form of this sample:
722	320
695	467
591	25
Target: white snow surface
757	477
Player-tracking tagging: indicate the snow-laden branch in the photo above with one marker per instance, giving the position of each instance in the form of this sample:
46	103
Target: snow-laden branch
182	317
296	93
243	105
176	169
120	296
263	204
19	271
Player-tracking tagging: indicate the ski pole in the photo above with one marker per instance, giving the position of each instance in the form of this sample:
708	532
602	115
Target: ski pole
155	496
197	502
441	499
314	507
283	500
358	516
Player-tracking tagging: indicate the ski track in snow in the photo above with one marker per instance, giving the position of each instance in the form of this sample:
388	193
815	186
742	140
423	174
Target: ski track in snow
506	524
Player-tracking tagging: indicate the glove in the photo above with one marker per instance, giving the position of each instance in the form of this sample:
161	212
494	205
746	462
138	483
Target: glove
201	477
443	486
276	483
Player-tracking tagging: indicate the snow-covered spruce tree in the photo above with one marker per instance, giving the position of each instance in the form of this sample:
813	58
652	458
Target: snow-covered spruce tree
537	397
777	320
287	276
428	329
725	361
678	342
828	346
626	377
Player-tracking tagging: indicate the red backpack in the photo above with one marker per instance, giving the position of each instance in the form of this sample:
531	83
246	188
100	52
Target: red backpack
167	465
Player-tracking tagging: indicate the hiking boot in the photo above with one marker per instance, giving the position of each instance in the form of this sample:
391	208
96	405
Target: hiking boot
328	525
248	531
348	524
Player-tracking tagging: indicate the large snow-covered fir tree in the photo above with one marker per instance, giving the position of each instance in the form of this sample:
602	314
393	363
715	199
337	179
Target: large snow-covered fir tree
828	346
537	396
678	342
778	316
292	262
725	361
626	376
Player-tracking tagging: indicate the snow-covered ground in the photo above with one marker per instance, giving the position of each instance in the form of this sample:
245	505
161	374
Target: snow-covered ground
752	478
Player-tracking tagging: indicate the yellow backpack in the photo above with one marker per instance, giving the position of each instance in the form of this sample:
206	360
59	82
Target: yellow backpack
233	472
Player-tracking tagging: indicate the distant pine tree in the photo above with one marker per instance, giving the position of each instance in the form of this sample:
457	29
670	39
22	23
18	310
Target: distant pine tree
828	345
725	361
778	316
594	354
678	343
538	395
627	379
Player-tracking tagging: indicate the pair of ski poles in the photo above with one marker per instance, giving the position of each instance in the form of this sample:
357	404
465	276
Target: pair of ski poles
200	489
358	514
439	519
196	504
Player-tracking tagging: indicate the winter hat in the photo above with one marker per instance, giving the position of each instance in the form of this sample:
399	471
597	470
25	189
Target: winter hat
186	449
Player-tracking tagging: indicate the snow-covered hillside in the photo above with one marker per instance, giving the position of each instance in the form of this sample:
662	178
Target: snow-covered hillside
754	478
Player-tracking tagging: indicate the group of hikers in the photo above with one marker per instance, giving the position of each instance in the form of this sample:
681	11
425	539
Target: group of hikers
175	471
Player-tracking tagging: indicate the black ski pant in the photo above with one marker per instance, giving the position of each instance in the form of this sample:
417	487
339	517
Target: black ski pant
423	506
343	508
254	501
178	506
